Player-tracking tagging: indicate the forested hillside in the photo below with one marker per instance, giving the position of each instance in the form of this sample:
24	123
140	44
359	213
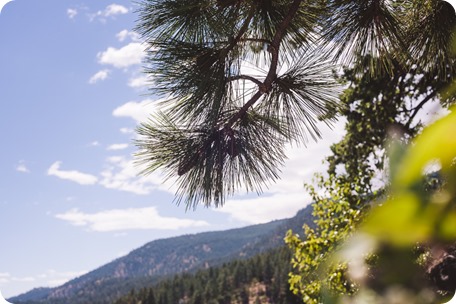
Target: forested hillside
261	279
164	258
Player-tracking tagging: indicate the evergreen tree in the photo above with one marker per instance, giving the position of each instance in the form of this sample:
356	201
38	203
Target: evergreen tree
150	299
244	295
242	78
197	298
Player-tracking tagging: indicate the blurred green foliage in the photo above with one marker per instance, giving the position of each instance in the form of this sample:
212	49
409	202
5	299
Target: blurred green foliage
353	254
384	257
410	216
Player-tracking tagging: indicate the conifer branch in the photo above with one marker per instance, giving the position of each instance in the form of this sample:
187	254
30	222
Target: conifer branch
246	77
272	73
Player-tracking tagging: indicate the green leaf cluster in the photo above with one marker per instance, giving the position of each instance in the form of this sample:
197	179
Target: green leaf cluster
415	216
375	108
337	215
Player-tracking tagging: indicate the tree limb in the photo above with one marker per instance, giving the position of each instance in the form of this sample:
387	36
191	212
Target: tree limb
255	40
272	73
418	108
245	77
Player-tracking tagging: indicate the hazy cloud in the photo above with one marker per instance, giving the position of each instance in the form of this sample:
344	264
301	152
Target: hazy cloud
117	147
75	176
119	173
99	76
21	167
138	82
72	12
24	279
127	219
5	277
50	278
263	209
56	278
122	174
124	34
53	278
130	54
126	131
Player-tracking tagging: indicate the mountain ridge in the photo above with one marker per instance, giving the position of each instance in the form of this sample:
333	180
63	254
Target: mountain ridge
165	257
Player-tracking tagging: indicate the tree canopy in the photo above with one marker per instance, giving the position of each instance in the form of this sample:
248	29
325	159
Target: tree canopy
242	78
374	109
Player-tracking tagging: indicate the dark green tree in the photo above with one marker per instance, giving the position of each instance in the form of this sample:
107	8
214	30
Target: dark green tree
150	298
241	78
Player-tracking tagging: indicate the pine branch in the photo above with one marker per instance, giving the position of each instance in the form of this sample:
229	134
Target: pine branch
272	73
204	137
266	41
245	77
243	28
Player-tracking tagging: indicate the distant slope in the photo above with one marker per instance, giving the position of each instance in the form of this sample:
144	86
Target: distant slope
259	279
36	293
161	258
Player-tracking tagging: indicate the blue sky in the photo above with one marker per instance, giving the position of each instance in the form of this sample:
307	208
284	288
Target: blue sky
71	93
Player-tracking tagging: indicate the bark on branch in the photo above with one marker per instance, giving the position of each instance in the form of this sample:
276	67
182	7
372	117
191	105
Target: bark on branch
272	72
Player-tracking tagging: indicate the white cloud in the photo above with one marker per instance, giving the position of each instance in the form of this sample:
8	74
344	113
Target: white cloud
111	10
71	12
21	167
119	173
124	34
75	176
304	161
126	130
5	277
114	9
55	278
139	111
49	278
138	82
99	76
127	219
24	279
117	147
95	143
122	174
130	54
263	209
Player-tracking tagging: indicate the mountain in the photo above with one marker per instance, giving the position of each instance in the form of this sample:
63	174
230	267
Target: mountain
260	279
36	293
166	257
